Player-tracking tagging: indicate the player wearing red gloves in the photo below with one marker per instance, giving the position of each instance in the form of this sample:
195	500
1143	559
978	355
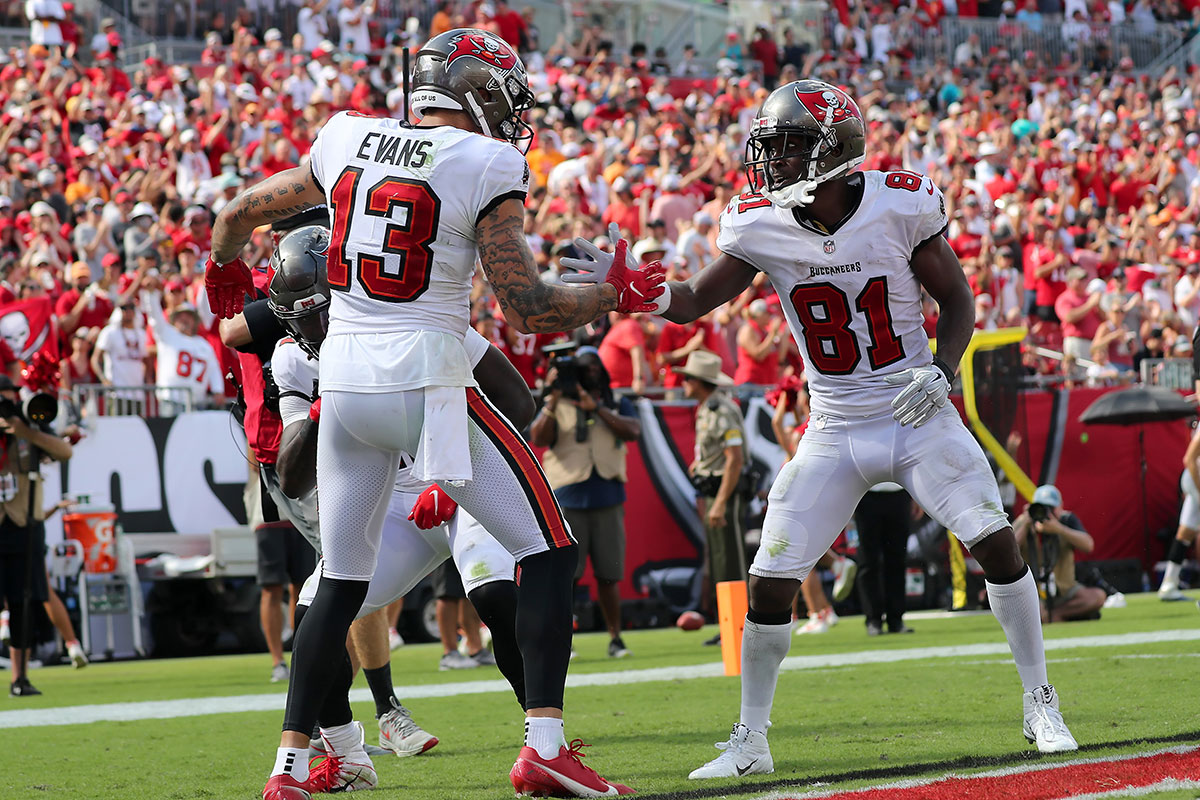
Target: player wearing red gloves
395	381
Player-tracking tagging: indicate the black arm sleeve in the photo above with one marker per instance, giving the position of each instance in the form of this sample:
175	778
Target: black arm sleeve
265	330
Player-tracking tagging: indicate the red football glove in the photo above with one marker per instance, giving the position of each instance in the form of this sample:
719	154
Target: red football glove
314	411
227	286
636	289
434	507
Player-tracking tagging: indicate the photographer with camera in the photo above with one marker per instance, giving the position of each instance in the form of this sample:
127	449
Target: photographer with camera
1048	537
584	429
24	440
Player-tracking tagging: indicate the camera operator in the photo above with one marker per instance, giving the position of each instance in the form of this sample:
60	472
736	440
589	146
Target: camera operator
585	430
716	472
1057	534
22	542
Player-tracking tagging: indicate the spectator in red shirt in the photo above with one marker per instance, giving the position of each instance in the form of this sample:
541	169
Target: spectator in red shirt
677	342
1050	273
84	305
764	50
623	210
511	25
623	352
757	346
1077	311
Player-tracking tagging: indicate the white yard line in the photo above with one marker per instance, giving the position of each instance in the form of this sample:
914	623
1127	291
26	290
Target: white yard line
202	706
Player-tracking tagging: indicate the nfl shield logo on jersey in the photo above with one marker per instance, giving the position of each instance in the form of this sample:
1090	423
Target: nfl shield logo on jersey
829	247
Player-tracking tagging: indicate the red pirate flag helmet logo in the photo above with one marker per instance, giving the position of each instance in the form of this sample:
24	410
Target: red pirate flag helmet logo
829	106
483	46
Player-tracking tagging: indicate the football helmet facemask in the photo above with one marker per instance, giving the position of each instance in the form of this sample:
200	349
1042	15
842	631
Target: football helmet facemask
475	71
298	294
813	121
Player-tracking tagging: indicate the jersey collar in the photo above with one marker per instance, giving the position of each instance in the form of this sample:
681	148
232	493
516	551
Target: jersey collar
857	184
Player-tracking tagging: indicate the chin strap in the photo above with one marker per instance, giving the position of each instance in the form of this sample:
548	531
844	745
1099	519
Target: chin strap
796	194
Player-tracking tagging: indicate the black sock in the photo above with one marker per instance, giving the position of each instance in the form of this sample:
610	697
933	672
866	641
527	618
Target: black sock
314	673
335	710
544	624
1011	578
496	603
380	681
762	618
1178	551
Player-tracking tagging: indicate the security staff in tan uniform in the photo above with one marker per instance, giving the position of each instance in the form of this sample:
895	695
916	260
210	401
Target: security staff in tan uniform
716	471
22	540
585	430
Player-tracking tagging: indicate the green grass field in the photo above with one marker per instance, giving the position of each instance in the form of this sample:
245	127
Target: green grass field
849	725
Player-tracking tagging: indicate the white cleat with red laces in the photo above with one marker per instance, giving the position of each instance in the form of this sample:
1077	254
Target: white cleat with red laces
563	776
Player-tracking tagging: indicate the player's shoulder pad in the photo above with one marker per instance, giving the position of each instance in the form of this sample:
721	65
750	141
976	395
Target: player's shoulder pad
291	366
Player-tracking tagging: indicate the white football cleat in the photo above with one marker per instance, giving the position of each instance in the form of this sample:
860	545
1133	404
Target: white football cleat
347	771
1170	592
816	624
1044	723
746	753
400	735
78	658
844	570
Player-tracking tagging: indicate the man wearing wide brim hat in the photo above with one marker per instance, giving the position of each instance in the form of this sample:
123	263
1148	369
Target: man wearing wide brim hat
715	472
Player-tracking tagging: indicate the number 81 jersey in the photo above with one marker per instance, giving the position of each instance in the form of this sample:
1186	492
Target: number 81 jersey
850	297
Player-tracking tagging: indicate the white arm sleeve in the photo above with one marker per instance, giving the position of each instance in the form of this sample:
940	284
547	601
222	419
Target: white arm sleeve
476	346
293	409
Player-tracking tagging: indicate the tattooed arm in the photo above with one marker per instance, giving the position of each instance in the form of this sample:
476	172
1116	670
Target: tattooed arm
283	195
529	304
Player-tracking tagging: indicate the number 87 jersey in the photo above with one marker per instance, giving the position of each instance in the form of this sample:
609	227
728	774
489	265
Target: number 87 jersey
850	297
404	204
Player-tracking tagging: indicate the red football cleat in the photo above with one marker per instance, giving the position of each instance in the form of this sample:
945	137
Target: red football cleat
285	787
564	776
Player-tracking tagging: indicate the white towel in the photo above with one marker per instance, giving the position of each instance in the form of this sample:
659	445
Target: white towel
444	453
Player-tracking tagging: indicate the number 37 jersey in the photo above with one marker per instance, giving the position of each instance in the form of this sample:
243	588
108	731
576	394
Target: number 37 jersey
850	297
404	204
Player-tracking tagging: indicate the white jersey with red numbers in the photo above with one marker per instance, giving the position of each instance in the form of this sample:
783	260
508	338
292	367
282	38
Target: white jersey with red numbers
184	362
850	296
404	204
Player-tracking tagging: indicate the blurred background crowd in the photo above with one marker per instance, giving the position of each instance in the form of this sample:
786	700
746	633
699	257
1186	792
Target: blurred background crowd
1065	140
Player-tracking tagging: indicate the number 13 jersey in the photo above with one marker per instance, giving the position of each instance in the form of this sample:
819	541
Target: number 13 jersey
850	297
403	205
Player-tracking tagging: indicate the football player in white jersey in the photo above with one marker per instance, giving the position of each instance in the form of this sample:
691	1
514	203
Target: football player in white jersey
411	210
409	548
849	252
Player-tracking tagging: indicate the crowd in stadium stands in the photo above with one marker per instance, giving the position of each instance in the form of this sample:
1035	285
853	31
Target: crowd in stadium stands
1073	188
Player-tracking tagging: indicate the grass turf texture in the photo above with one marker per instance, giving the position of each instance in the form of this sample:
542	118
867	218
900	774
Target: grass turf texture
852	725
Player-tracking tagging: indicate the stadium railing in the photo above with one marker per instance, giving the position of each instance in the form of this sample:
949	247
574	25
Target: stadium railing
147	400
1170	373
1143	43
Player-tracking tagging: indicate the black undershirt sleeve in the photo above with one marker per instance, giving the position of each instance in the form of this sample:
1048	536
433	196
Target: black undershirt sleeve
265	329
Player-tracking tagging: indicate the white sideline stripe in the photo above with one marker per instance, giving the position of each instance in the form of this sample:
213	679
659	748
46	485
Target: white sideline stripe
203	706
1002	772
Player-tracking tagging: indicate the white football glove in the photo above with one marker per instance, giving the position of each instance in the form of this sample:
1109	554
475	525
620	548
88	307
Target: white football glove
925	391
594	269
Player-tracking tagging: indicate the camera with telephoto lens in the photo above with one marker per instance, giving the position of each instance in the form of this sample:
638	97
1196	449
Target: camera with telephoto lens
1039	512
39	410
562	360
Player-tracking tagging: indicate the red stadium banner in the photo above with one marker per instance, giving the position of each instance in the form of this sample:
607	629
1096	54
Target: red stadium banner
28	327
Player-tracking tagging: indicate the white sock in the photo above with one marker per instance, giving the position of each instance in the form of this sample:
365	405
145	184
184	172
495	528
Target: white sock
1171	574
1019	613
763	649
343	738
545	734
292	761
